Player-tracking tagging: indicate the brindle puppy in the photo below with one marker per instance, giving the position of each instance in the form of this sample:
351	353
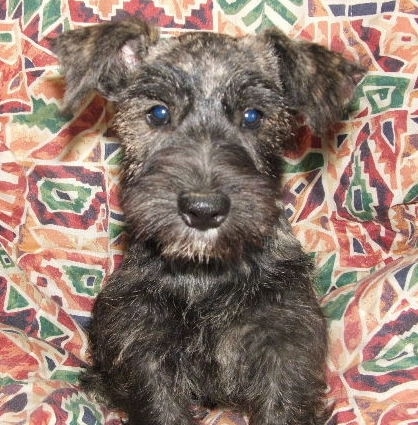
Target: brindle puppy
214	304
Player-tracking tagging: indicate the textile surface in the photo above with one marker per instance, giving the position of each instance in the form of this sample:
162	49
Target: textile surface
352	201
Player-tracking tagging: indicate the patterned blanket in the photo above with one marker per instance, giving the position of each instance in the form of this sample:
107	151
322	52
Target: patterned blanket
352	201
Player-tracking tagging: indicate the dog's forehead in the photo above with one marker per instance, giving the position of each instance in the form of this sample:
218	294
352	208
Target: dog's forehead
217	58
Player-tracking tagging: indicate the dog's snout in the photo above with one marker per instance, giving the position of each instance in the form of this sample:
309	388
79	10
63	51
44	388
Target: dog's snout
203	210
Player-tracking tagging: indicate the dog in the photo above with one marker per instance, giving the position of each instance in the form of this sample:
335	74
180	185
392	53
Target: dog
214	304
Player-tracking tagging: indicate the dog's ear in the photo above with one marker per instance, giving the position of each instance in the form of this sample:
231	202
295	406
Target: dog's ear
317	82
102	57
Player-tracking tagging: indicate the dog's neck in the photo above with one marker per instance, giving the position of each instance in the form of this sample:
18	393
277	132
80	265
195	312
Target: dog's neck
196	282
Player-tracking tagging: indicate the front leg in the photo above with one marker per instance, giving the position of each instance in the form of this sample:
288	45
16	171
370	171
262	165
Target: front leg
142	384
135	353
273	366
157	402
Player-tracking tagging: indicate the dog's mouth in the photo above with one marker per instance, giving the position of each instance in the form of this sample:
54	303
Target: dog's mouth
195	246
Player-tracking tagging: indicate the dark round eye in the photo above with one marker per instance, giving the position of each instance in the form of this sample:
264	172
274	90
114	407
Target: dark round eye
158	115
252	118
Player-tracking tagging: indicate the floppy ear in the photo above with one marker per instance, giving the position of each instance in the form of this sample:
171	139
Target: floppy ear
102	57
317	82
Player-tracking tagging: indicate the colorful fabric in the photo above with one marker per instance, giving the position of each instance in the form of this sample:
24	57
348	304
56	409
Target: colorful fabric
352	201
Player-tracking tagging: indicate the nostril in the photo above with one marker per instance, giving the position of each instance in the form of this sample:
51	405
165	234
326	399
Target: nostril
203	210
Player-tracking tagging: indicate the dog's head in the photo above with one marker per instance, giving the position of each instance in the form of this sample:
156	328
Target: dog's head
203	118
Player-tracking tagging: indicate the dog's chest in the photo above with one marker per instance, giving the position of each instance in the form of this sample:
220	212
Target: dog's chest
201	362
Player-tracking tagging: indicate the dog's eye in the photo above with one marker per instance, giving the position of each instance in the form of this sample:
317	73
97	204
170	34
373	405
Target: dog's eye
252	118
158	115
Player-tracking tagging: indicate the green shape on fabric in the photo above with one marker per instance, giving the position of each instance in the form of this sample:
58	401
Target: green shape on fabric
412	195
400	356
414	277
70	376
51	14
346	279
360	200
83	411
49	329
311	161
85	280
60	196
324	276
30	8
115	230
44	115
16	301
6	37
335	309
261	10
5	261
382	92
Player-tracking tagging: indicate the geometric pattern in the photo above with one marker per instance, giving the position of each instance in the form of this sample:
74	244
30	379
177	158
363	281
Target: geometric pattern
352	201
373	367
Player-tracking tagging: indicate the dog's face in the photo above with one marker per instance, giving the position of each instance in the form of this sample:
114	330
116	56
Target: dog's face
203	123
203	119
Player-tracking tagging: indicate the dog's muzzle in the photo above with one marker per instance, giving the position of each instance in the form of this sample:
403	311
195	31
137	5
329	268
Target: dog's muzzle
203	210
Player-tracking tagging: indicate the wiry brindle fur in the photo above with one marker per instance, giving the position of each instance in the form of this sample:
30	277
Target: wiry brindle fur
214	304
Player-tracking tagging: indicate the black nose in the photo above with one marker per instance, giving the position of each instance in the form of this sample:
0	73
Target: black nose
203	210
